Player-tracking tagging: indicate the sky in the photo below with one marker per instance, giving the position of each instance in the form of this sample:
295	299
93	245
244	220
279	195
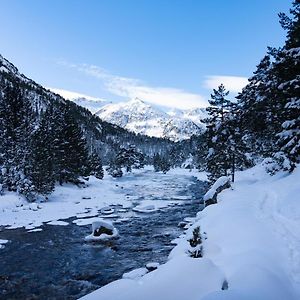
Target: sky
166	52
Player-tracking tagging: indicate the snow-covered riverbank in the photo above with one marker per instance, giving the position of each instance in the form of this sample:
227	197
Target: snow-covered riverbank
71	201
251	248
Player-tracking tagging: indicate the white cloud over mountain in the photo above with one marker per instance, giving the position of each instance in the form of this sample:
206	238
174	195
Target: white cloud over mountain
232	83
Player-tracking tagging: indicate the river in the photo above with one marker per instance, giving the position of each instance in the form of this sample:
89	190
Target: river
56	263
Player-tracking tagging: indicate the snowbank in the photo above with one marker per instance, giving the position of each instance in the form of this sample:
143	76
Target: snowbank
251	248
211	196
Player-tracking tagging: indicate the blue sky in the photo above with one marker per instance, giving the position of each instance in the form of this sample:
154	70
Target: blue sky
168	52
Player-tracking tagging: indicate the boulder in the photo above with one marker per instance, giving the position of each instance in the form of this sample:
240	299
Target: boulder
101	231
211	196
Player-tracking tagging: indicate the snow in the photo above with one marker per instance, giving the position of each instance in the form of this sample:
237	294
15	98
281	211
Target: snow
2	243
152	266
135	274
60	223
35	230
140	117
213	190
66	201
251	248
87	221
102	237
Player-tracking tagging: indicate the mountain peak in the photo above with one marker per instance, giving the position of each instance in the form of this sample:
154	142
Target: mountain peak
137	100
140	117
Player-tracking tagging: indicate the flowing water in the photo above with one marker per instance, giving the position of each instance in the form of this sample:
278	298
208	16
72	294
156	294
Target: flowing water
56	263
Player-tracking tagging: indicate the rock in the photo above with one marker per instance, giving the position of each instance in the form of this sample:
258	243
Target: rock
33	206
211	196
152	266
107	210
182	224
101	231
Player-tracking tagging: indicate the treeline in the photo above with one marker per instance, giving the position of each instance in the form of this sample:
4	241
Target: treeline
265	119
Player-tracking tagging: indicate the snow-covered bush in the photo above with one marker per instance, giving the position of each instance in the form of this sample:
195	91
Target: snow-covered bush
276	163
195	243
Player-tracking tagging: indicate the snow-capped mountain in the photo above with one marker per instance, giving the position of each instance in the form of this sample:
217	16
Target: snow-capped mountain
93	104
140	117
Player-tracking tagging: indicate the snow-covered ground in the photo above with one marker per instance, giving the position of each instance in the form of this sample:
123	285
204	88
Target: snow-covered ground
251	248
97	198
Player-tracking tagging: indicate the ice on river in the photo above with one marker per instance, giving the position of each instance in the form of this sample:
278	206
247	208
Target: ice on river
2	243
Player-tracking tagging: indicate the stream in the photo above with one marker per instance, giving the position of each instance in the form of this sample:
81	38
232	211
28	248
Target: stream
57	263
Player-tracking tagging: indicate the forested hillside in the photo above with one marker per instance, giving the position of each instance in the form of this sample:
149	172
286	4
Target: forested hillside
47	139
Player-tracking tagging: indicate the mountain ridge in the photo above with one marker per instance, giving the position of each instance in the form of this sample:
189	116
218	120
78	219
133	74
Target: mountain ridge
143	118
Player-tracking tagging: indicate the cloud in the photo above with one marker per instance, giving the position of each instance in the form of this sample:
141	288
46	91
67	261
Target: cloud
131	88
232	83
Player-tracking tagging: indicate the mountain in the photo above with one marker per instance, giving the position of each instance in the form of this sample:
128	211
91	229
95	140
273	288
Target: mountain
93	104
103	137
140	117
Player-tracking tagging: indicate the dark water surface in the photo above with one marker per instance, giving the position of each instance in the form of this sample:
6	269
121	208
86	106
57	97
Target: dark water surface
56	263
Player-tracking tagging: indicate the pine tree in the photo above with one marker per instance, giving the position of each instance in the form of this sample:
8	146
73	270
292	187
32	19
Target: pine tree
287	68
71	155
95	166
165	165
260	108
16	124
157	162
129	158
218	157
42	171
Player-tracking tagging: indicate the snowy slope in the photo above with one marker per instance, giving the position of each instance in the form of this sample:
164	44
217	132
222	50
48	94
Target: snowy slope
251	248
140	117
93	104
38	95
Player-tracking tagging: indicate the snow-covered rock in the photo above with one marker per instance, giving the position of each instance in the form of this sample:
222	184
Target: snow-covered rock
135	274
211	196
2	243
107	210
101	231
152	266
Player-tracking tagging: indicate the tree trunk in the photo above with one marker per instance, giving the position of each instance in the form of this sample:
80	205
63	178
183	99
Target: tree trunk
233	168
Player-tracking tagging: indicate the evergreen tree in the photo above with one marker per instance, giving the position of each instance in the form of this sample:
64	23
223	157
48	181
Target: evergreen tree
16	124
129	158
165	165
218	157
71	155
42	171
95	166
287	69
161	163
157	162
